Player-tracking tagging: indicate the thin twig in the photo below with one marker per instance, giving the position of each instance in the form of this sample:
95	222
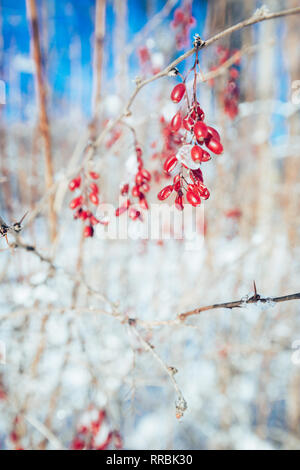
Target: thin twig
42	103
240	303
181	404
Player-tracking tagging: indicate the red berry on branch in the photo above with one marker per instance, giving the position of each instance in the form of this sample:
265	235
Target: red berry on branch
75	183
133	213
88	231
143	202
176	122
135	191
200	130
94	175
94	198
94	188
187	123
76	202
196	153
215	146
179	202
121	210
146	174
213	133
178	15
178	93
145	188
124	189
193	198
170	163
165	193
139	178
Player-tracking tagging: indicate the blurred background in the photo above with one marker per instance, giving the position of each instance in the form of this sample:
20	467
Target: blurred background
74	373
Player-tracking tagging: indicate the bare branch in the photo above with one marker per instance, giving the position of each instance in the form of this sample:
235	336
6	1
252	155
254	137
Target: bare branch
240	303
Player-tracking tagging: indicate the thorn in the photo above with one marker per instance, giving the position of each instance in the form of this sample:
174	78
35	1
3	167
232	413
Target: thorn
254	288
20	222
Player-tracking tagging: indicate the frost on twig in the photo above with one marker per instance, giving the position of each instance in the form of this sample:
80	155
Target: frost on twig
261	12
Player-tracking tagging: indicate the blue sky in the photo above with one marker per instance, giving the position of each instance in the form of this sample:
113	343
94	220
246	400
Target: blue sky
68	22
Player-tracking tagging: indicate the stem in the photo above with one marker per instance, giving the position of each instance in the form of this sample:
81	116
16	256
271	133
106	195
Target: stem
98	54
42	104
239	303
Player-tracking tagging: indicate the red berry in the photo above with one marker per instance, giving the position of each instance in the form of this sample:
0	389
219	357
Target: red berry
75	183
193	198
76	202
94	175
124	189
170	163
213	133
200	130
215	146
199	113
84	215
205	156
165	193
139	178
196	153
205	194
178	93
94	188
133	213
126	204
145	188
203	191
179	202
146	174
234	73
178	15
187	123
121	210
143	203
176	122
94	198
88	231
135	191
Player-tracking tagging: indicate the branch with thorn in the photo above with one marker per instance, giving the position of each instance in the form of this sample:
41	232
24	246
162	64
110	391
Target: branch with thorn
15	228
256	298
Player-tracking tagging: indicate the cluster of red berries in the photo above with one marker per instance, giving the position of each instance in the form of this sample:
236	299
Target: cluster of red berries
191	154
170	141
231	94
82	204
95	434
137	190
183	21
